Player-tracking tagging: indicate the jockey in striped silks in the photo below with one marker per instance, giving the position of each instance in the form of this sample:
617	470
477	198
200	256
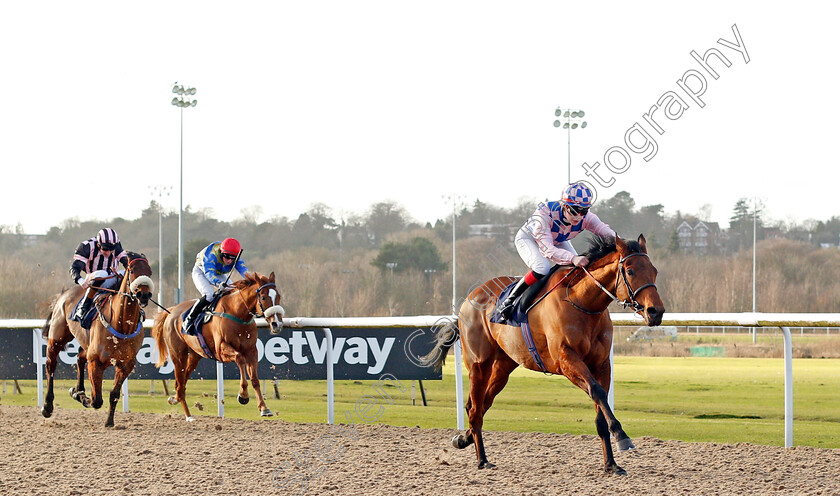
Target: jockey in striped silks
97	257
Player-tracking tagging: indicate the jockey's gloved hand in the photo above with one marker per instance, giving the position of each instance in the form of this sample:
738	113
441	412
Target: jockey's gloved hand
580	261
88	281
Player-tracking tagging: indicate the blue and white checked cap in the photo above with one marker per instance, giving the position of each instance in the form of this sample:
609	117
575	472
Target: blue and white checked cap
577	194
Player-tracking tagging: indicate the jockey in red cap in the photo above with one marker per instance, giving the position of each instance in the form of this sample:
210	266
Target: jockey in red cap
211	273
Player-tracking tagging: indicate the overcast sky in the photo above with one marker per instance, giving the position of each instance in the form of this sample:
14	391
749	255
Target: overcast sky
351	103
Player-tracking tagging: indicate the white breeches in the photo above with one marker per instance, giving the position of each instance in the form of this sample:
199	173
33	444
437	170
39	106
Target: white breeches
528	249
205	287
107	282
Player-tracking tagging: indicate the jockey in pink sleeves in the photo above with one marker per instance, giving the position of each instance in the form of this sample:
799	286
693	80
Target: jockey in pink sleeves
544	239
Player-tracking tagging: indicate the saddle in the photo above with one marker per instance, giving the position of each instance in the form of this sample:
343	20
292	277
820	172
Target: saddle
204	317
519	316
87	319
523	302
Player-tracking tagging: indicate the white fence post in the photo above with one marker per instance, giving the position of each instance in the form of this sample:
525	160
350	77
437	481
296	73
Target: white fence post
611	393
125	395
220	389
788	388
459	386
37	345
330	378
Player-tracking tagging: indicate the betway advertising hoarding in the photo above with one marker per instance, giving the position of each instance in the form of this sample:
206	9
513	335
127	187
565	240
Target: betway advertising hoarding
297	354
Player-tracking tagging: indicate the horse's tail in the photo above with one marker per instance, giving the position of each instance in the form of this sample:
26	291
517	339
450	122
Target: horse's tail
446	337
157	334
45	331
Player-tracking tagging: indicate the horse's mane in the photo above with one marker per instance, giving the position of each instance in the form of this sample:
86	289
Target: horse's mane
249	280
601	246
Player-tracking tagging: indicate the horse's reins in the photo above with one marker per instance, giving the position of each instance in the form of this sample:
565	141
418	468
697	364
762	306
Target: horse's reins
129	295
631	294
550	290
253	314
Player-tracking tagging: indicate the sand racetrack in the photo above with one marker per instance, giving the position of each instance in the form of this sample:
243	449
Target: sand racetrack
73	454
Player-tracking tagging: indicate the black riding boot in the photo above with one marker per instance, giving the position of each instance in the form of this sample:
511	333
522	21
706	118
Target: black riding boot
507	305
83	309
196	309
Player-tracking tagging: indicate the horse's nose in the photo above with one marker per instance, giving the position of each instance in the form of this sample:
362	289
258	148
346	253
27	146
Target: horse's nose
276	327
654	316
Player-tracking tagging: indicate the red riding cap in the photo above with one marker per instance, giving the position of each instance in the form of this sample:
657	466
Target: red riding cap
230	246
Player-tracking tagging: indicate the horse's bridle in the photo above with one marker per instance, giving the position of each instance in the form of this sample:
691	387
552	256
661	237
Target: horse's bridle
259	300
133	286
631	294
263	312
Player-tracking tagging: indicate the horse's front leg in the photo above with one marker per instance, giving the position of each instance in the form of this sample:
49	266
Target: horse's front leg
121	372
78	391
602	376
95	372
242	396
578	372
251	361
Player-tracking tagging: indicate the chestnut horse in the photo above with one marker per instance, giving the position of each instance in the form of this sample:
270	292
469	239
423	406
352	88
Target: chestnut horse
571	330
114	338
230	335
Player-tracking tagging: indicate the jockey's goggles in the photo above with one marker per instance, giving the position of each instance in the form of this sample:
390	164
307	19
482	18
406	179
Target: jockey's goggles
578	210
228	256
106	246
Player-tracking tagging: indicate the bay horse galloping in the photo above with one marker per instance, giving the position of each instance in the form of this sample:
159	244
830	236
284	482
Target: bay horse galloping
114	338
230	335
571	332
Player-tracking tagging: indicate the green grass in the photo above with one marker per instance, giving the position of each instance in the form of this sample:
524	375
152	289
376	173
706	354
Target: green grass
725	400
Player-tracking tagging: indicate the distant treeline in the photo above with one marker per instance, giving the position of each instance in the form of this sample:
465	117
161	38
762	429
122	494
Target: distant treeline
384	263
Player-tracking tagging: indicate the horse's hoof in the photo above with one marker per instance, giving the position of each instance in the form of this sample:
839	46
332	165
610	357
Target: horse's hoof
485	464
81	397
615	470
109	424
46	412
190	419
266	413
626	444
172	400
243	401
460	441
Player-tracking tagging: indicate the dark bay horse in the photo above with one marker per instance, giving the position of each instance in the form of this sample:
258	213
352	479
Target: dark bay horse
114	338
231	335
571	330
